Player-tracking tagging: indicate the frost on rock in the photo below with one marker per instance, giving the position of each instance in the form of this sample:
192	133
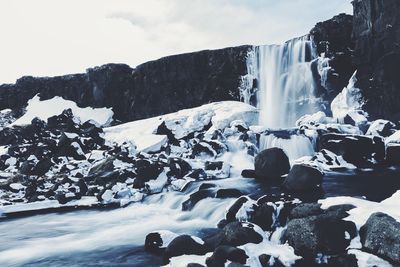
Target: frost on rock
325	160
350	99
364	208
44	109
217	115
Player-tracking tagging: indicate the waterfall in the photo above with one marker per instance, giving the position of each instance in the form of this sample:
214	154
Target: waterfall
285	82
295	146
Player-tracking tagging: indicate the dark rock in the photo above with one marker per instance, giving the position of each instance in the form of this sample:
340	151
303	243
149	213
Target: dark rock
324	233
234	234
153	88
303	178
376	33
344	260
263	216
271	162
380	235
214	165
228	193
224	253
197	174
356	149
196	197
249	173
183	245
305	210
393	153
334	38
42	167
234	208
153	242
179	167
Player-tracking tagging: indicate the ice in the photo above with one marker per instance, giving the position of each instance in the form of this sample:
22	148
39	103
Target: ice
364	208
350	99
55	106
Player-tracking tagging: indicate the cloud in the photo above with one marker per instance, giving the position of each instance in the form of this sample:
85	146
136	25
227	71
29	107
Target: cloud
55	37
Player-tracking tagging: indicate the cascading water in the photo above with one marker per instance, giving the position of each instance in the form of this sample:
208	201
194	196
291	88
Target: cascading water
285	82
286	91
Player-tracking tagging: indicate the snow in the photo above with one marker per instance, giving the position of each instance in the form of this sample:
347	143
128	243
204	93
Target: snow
157	185
364	208
166	237
377	127
181	124
319	117
365	259
283	252
349	99
393	139
17	186
325	160
55	106
47	204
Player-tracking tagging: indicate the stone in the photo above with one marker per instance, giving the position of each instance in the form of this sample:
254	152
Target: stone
272	162
303	178
183	245
380	235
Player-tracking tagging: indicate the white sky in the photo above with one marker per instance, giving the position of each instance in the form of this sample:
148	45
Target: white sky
55	37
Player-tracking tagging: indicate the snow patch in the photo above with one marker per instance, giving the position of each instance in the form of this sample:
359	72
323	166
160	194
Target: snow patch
55	106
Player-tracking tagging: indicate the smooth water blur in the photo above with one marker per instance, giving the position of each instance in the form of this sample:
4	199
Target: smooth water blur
116	237
285	82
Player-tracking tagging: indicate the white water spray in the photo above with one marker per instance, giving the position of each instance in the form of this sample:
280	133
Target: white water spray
285	82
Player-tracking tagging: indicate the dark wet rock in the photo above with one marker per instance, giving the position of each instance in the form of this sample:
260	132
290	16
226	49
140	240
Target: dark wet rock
235	234
376	33
42	167
197	174
228	193
249	173
207	186
179	167
393	153
271	162
196	197
380	235
224	253
323	233
183	245
234	208
153	242
344	260
263	216
213	165
305	210
303	178
356	149
334	38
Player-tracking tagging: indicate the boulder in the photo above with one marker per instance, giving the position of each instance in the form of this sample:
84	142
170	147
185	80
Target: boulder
238	233
380	235
324	233
303	178
356	149
272	162
222	254
184	245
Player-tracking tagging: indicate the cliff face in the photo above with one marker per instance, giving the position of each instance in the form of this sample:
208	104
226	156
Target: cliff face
334	38
376	33
153	88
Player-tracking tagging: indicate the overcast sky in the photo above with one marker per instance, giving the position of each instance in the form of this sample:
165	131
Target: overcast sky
55	37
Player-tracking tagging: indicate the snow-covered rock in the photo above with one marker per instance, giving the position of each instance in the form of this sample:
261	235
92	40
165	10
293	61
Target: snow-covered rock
350	99
181	124
44	109
325	160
